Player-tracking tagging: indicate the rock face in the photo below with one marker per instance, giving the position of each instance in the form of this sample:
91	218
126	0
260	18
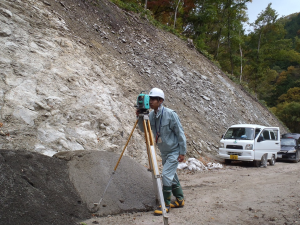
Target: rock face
71	72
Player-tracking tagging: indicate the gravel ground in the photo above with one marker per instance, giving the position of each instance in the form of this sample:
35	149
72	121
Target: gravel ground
237	194
36	190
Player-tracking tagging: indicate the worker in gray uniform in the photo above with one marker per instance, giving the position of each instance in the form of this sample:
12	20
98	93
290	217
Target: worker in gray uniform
171	141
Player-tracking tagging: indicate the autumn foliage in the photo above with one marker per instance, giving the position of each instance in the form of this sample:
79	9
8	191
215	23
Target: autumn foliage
263	57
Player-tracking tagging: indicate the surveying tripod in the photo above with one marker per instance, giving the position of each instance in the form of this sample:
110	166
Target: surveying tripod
153	166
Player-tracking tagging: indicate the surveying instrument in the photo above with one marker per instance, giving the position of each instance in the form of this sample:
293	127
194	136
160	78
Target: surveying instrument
143	109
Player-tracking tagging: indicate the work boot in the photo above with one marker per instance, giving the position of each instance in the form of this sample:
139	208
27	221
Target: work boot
158	211
177	191
167	192
177	204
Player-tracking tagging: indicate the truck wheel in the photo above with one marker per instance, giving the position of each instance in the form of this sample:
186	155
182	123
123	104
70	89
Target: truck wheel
272	160
256	163
227	161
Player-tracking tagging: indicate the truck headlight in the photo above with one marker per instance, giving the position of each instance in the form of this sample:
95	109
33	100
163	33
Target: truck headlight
222	145
292	151
249	147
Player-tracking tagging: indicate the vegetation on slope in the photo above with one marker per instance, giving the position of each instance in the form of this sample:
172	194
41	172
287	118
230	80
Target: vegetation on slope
265	61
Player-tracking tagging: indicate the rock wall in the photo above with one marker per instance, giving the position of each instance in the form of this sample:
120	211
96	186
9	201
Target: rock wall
71	72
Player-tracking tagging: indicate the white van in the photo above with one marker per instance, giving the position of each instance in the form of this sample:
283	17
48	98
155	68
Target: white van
250	142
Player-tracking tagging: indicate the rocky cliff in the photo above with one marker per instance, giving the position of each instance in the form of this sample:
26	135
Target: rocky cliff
71	72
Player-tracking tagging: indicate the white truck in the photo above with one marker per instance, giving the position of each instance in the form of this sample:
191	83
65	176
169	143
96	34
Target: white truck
250	142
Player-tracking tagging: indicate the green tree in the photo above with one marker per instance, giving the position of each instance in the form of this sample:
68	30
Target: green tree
287	79
266	86
292	95
292	25
264	27
216	27
289	113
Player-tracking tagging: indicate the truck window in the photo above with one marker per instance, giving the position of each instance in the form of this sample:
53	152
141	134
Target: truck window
275	134
257	130
272	135
266	135
243	133
288	141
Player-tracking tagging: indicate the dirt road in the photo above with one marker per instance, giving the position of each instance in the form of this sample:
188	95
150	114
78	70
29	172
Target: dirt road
237	194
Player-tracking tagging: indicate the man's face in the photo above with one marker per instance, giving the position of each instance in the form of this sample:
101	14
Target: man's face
155	102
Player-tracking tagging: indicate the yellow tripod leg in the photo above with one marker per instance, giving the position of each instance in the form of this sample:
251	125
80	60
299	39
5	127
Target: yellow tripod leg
154	166
126	145
147	141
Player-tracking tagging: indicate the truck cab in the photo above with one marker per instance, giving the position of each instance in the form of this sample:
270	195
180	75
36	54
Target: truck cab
250	142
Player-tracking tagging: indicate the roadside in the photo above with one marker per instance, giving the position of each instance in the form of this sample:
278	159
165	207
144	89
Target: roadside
237	194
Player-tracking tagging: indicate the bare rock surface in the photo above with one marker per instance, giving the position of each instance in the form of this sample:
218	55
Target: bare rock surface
71	72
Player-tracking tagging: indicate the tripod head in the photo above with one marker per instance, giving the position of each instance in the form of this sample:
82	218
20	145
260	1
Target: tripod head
142	113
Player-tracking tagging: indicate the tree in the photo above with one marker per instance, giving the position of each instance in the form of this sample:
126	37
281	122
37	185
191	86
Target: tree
216	27
266	87
170	11
292	25
235	16
264	22
289	113
285	81
292	95
263	27
160	9
176	10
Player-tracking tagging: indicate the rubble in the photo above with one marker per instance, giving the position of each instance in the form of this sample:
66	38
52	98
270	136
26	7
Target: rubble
193	164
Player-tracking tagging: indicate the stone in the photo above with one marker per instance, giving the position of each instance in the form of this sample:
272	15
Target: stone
5	31
5	12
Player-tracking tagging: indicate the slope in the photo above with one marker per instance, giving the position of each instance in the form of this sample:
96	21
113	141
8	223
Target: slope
71	71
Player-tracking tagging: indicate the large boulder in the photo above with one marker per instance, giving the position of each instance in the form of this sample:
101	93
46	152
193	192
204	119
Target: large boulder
130	190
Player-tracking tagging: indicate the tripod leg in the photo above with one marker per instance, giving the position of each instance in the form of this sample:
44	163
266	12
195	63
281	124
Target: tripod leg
149	159
126	144
155	170
147	145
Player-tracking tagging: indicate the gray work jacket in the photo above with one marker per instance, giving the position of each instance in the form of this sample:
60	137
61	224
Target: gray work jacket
167	123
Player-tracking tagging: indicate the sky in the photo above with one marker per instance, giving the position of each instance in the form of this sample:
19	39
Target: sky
282	7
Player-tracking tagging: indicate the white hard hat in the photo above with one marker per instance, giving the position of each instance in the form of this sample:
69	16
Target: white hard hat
156	92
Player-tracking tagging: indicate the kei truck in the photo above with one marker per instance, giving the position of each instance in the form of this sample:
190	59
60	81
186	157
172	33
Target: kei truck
250	142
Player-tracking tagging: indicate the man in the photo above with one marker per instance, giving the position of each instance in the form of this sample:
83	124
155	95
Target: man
170	139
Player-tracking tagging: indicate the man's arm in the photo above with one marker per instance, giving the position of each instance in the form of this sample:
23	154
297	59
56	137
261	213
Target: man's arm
178	130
